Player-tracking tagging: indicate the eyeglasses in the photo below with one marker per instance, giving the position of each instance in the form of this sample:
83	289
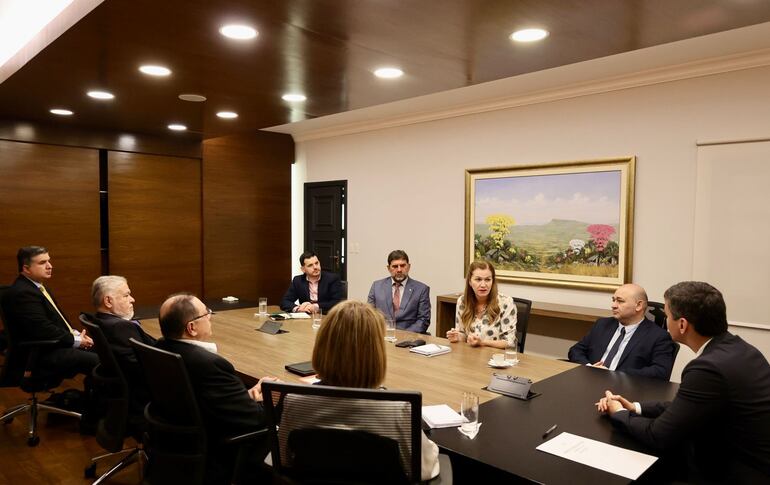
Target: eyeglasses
209	312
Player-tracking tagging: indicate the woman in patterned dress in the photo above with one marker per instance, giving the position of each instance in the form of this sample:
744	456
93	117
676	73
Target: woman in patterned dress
484	316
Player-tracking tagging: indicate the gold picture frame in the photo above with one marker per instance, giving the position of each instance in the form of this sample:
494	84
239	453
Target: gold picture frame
566	224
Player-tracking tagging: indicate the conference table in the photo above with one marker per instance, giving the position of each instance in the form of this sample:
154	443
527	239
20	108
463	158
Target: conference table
511	428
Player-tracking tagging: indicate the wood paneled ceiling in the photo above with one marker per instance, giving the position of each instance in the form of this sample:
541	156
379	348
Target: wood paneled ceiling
325	49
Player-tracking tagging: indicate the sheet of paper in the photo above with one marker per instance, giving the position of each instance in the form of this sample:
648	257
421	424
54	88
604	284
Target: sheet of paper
441	416
299	315
612	459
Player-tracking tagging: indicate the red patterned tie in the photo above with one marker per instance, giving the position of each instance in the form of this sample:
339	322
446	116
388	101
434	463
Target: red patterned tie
396	297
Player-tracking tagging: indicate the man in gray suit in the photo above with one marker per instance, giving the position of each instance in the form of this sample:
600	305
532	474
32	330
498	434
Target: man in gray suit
401	298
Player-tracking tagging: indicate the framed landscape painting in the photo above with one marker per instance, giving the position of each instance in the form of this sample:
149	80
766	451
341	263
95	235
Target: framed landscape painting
566	224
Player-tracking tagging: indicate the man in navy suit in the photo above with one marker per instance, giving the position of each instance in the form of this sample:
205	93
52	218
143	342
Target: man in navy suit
32	309
312	290
401	298
628	341
720	417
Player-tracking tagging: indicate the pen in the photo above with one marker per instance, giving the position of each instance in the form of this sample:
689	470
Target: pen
550	430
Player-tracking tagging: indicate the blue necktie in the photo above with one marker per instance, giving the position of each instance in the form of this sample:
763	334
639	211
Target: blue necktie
614	349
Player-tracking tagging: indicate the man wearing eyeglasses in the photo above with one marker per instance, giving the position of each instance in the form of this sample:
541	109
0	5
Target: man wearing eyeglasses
227	407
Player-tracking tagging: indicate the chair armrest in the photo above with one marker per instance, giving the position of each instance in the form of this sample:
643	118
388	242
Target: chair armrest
234	440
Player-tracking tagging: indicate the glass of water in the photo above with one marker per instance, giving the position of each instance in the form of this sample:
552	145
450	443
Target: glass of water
317	317
390	330
511	353
263	307
469	409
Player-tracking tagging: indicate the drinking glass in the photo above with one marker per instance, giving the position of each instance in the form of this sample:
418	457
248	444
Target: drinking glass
390	330
469	409
317	317
511	353
263	307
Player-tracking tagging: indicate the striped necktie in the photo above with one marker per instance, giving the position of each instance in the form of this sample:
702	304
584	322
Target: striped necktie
50	300
396	297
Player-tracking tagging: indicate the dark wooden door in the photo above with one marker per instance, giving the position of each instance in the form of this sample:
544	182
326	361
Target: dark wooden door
325	224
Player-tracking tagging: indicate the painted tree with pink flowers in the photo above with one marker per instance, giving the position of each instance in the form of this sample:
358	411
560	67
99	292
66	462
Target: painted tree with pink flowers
600	235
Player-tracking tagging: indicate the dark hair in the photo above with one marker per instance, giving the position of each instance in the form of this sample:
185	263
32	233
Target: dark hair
25	255
175	318
701	304
306	255
398	254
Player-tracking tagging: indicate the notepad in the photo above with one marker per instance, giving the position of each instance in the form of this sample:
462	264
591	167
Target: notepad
431	350
441	416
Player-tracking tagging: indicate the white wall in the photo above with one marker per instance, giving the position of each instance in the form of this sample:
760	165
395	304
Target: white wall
406	184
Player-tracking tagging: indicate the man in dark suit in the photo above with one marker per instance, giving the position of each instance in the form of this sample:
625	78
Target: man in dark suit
628	341
721	413
114	305
312	290
401	298
227	407
31	308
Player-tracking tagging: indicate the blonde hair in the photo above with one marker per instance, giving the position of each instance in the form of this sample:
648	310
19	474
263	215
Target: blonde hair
468	314
350	347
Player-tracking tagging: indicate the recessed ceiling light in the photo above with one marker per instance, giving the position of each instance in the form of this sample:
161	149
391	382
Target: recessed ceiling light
388	72
195	98
155	70
177	127
101	95
61	112
529	35
239	32
293	97
228	115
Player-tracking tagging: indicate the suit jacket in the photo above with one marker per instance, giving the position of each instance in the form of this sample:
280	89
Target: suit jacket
117	331
33	315
650	352
329	292
721	414
225	405
413	313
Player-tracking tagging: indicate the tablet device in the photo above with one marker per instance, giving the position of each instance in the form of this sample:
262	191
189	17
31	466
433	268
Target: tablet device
271	327
301	368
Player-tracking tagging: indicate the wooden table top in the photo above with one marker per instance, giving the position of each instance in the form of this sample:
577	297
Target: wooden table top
441	379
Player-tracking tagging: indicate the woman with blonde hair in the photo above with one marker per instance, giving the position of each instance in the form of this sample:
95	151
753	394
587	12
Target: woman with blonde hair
484	317
350	352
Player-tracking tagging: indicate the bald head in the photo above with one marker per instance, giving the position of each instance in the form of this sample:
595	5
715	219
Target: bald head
175	312
629	304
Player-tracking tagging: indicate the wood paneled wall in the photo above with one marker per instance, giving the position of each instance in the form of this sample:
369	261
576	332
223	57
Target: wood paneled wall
49	196
247	214
155	224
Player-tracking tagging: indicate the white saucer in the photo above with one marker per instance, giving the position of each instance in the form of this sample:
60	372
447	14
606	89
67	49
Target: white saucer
504	365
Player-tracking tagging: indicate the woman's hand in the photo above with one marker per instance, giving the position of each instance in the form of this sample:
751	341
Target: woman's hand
453	335
474	340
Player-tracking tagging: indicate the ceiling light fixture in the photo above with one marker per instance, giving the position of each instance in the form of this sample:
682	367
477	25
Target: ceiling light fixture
61	112
177	127
101	95
228	115
388	72
293	97
155	70
529	35
238	32
195	98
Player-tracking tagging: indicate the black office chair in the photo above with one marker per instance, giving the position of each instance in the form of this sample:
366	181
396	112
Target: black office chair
116	424
359	440
176	443
21	370
656	314
523	308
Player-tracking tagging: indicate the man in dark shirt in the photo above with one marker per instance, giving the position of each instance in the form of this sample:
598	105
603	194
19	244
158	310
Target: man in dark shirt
312	290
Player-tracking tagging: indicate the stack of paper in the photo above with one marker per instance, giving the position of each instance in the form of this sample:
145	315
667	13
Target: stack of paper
431	349
441	416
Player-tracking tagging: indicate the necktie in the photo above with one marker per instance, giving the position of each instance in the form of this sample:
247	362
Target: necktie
396	297
50	300
614	349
